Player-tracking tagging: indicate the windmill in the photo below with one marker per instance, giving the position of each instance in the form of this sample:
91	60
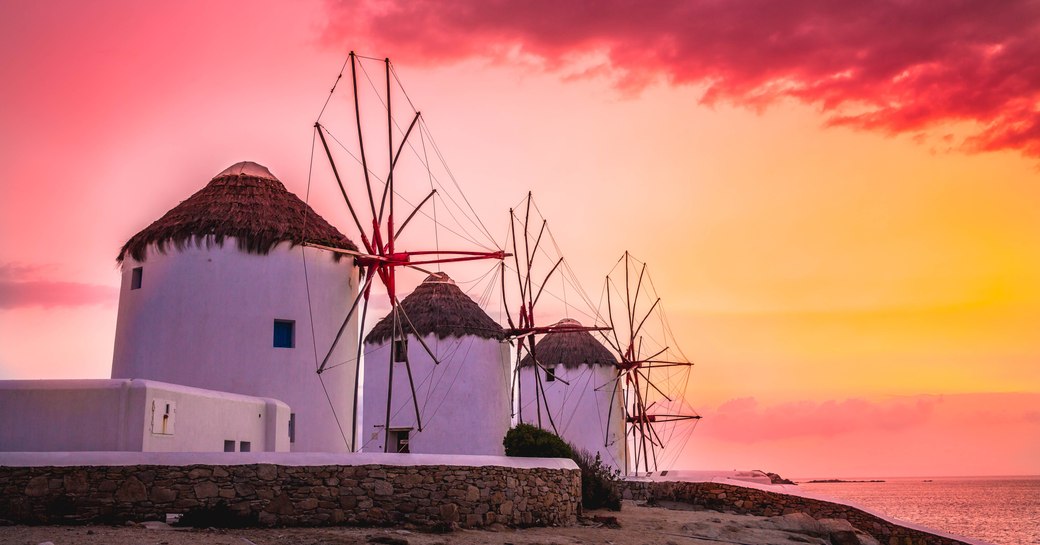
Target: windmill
535	266
652	370
375	211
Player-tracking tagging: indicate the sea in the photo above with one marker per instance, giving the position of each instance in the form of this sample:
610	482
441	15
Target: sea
1000	510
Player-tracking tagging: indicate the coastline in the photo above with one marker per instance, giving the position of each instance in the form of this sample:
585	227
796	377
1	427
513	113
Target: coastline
636	525
740	495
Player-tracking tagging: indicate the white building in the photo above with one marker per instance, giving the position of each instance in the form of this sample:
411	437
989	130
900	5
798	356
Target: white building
218	294
577	386
463	400
136	415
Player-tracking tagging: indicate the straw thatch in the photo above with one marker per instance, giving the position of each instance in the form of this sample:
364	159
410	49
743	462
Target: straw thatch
439	307
570	349
245	202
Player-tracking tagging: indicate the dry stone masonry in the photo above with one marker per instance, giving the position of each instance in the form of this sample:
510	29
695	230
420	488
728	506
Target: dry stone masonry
276	495
752	501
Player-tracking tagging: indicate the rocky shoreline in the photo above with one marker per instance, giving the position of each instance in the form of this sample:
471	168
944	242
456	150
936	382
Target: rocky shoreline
770	502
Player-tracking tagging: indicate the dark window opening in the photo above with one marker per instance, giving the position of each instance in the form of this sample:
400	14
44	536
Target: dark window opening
401	349
135	278
292	427
284	334
550	374
399	441
244	446
229	446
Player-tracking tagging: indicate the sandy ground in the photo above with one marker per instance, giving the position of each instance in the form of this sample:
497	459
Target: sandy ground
639	525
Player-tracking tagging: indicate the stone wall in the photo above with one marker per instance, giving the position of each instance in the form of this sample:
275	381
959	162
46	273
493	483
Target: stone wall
752	501
277	495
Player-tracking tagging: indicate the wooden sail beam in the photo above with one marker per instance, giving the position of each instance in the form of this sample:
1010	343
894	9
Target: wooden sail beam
521	332
661	418
379	256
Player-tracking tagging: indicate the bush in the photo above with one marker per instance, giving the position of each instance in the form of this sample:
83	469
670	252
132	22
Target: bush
599	482
530	441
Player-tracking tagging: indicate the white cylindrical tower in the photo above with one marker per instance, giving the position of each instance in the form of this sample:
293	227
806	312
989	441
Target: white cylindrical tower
219	294
463	398
577	385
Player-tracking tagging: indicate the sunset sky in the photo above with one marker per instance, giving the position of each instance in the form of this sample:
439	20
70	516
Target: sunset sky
840	201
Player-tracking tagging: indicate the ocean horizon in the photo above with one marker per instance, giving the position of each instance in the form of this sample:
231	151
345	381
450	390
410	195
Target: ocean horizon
1003	510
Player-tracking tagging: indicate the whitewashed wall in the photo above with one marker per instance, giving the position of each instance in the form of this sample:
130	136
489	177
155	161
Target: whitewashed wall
463	401
127	415
580	410
204	317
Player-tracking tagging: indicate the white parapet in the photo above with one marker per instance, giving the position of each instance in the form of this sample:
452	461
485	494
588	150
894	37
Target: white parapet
136	415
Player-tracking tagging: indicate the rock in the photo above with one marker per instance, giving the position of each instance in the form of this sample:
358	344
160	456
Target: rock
156	525
281	505
777	479
163	495
835	525
383	488
198	472
506	509
266	472
37	486
76	482
45	543
797	522
206	489
449	512
388	540
844	537
132	490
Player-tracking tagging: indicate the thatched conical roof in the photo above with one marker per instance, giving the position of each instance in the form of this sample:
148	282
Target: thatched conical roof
246	202
570	349
438	306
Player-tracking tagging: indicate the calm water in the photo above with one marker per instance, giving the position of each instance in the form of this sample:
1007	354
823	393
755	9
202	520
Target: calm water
1005	511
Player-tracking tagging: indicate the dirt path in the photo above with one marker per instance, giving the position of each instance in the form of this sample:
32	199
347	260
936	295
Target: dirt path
639	525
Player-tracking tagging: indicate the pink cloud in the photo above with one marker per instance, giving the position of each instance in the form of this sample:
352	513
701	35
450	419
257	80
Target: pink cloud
745	420
893	67
21	286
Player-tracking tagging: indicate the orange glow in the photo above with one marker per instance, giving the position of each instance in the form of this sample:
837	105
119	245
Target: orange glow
799	262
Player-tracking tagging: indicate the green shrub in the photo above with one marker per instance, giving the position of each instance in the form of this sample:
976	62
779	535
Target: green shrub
530	441
599	482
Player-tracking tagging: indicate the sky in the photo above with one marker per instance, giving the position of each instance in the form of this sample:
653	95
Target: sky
837	199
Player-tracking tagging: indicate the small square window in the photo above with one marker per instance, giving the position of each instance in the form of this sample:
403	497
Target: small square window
243	446
292	427
135	278
284	334
399	441
401	350
550	374
229	446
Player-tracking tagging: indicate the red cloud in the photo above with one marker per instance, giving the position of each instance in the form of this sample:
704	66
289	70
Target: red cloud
20	288
894	67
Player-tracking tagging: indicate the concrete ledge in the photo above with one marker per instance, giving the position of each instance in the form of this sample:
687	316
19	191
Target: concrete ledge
65	459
